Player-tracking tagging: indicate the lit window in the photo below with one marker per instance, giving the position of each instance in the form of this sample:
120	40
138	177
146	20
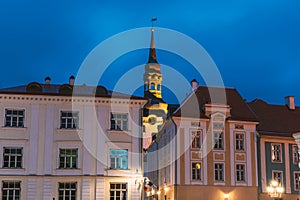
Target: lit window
118	159
239	141
119	121
278	176
67	191
14	118
69	120
297	181
68	158
218	140
11	190
196	139
240	173
196	171
118	191
12	157
219	172
295	154
276	152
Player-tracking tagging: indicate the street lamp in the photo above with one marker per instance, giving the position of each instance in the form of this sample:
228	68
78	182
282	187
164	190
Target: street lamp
275	189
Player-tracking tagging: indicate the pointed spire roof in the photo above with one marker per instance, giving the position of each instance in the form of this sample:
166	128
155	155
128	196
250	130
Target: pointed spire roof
152	52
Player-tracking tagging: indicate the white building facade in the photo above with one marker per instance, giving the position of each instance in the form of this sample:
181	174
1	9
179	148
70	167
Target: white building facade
57	146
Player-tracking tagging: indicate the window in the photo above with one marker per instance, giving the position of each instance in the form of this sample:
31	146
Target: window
219	172
296	155
12	157
196	171
118	159
68	158
277	175
158	87
118	191
11	190
240	173
119	121
14	118
69	120
152	86
196	139
239	141
218	140
297	181
276	152
67	191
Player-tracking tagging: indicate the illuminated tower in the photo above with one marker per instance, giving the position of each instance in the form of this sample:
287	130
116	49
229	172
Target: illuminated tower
156	110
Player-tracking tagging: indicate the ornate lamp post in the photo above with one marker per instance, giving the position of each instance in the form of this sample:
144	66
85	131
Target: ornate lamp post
274	189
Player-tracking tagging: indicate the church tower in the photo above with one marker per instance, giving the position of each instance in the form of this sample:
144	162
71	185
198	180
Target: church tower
156	110
152	75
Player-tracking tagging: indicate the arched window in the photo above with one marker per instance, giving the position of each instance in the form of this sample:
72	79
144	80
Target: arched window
152	86
159	87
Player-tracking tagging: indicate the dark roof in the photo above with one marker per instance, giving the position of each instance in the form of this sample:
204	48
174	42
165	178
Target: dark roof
67	90
276	120
204	95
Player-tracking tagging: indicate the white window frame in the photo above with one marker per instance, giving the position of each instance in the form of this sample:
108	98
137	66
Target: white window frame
119	123
218	130
68	156
297	181
117	159
73	119
240	141
115	190
16	155
199	171
193	138
276	178
14	109
14	189
239	171
274	157
64	189
223	172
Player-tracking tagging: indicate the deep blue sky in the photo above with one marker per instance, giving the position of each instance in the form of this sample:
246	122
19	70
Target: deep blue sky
255	44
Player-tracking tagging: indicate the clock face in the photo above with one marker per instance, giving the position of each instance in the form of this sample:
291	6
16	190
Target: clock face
152	120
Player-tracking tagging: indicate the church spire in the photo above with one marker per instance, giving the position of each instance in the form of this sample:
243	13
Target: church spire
152	51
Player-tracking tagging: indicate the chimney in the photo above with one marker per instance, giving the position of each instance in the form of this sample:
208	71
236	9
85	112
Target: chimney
290	102
71	80
47	80
194	85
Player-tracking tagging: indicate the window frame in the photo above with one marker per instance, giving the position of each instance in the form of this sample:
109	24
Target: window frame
120	189
219	170
218	141
14	189
273	151
192	132
196	170
64	189
16	155
115	124
295	153
11	120
239	141
75	121
118	159
275	178
240	173
68	156
297	181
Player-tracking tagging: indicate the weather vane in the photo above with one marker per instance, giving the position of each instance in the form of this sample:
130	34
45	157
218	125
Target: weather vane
153	20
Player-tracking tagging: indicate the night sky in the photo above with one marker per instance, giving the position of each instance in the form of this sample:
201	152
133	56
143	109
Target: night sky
255	44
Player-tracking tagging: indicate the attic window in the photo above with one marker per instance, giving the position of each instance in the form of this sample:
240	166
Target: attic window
101	90
239	126
34	87
66	89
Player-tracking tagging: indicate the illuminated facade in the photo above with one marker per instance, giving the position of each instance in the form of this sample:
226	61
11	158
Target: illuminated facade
50	149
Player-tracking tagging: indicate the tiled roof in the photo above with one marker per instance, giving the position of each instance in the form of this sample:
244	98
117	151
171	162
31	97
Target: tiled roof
276	120
205	95
79	90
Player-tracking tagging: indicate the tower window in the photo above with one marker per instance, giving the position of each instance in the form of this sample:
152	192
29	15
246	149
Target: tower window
146	87
152	86
158	87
